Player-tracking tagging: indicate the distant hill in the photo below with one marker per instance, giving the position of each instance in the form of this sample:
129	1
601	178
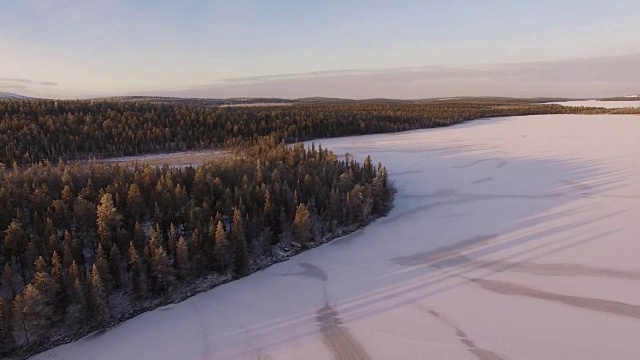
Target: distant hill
199	101
8	95
249	101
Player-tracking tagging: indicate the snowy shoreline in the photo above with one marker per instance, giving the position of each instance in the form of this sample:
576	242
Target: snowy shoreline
180	294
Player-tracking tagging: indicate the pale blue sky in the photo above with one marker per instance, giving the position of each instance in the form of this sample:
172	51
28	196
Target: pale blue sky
96	47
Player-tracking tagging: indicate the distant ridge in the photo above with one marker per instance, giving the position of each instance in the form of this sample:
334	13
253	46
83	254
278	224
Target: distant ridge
12	96
271	101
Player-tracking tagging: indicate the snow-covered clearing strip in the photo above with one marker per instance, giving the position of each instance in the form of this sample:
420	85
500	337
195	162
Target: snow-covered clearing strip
174	159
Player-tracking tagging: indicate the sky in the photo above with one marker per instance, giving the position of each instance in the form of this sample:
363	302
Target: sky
299	48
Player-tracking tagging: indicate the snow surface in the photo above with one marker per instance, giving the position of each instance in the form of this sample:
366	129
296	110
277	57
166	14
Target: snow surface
174	159
511	238
599	103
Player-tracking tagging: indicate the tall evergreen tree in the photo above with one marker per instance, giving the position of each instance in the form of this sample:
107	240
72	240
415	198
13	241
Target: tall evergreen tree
136	272
14	239
162	271
221	249
135	203
182	258
57	274
99	300
301	227
115	261
108	220
241	262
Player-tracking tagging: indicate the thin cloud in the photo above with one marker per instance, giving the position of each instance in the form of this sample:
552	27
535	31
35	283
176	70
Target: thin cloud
16	80
27	81
27	87
14	87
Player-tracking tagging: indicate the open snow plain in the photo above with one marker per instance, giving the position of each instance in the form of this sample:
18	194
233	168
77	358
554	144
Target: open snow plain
511	238
600	103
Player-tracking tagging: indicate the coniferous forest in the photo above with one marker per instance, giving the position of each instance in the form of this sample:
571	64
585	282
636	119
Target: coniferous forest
37	130
85	245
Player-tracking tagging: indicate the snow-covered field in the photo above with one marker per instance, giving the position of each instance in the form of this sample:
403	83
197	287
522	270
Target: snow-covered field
511	238
599	103
175	159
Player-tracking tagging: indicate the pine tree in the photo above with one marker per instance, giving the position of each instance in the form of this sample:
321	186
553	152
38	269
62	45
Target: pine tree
182	258
77	293
138	237
198	259
241	262
259	176
115	260
84	214
41	298
67	255
161	270
108	220
210	247
221	249
36	312
67	195
173	240
368	169
57	273
102	266
301	227
136	271
267	208
78	309
135	203
99	300
14	238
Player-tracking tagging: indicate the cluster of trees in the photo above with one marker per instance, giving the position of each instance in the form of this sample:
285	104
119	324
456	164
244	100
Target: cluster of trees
37	130
76	237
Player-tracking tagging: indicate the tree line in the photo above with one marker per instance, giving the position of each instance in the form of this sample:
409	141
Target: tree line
82	245
36	130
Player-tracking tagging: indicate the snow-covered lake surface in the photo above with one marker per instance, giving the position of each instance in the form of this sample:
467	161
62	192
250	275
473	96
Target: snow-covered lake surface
511	238
599	103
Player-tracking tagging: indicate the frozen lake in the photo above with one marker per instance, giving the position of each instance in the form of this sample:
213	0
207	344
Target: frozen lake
599	103
511	238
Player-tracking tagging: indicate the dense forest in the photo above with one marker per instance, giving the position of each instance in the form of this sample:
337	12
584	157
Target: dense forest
32	131
85	246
